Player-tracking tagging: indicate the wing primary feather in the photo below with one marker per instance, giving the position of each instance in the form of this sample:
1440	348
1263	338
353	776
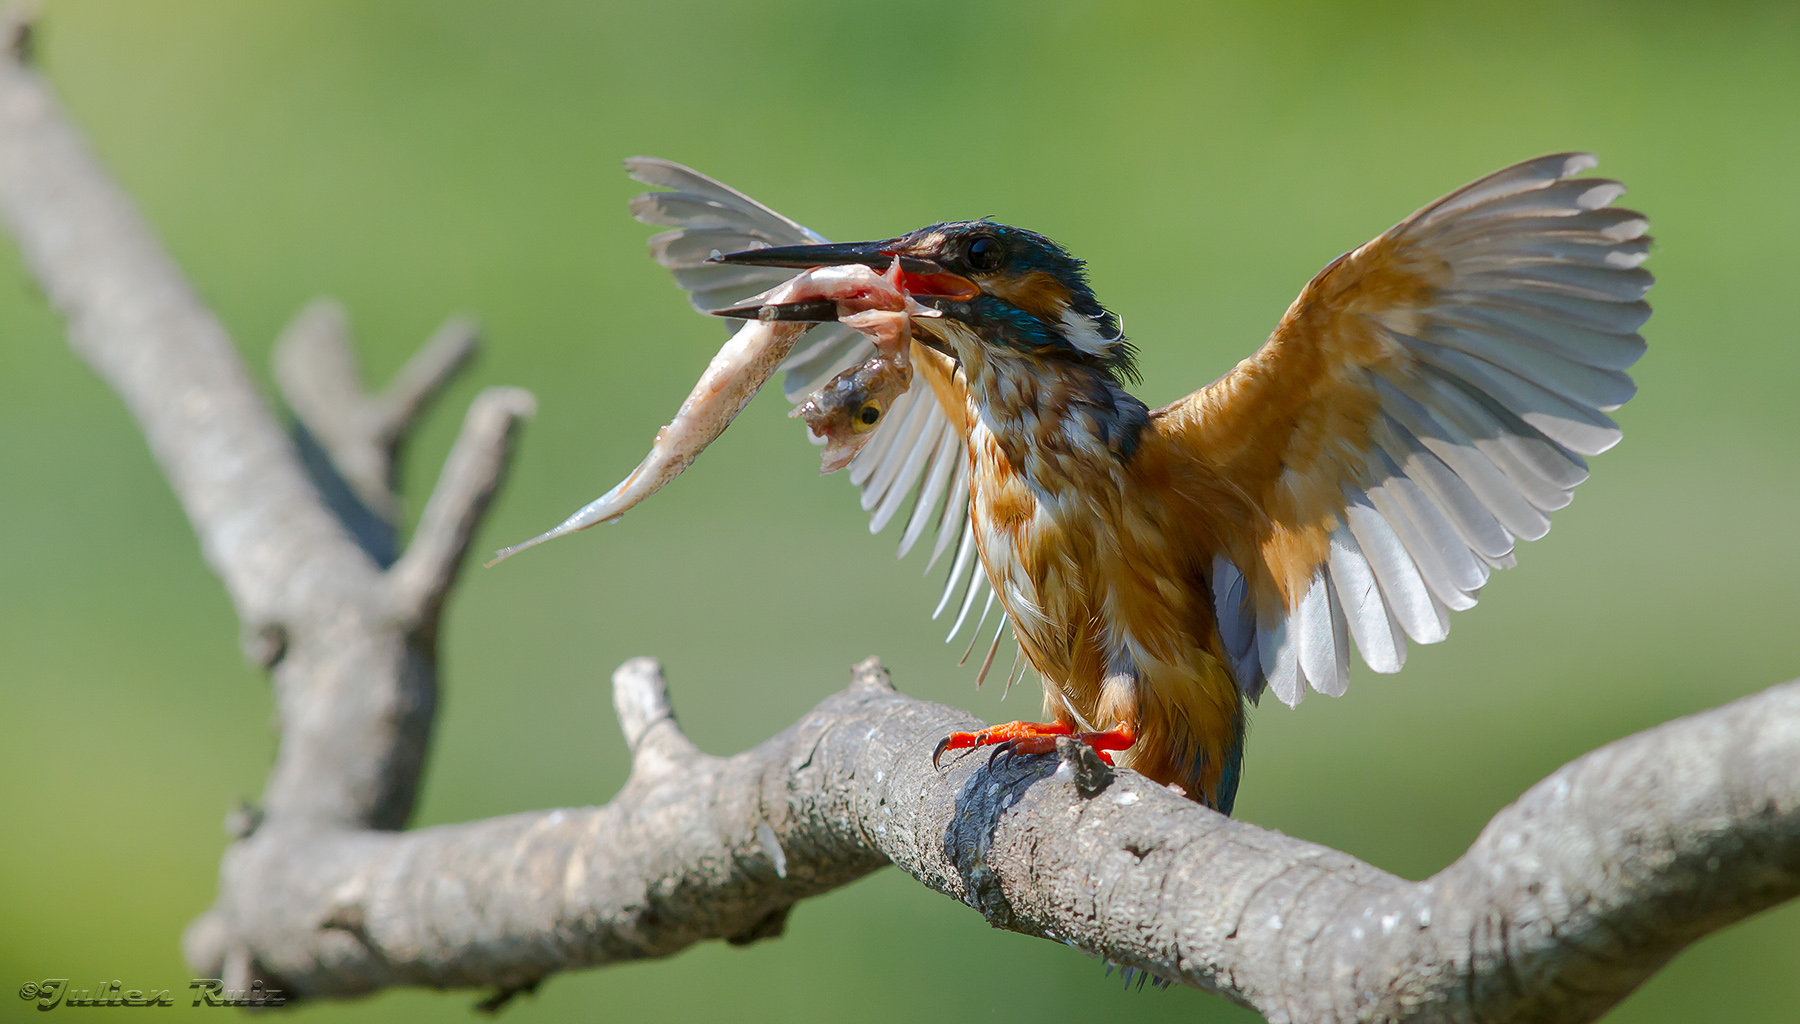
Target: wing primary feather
919	414
1627	229
1454	449
748	280
988	662
1557	463
900	483
685	209
965	546
1340	643
977	579
1566	198
1016	672
975	634
919	514
1585	431
1554	246
669	174
1377	636
1578	382
1510	560
1280	662
1432	563
1521	177
1542	470
956	508
1603	349
1317	646
1543	304
1560	277
1439	548
1472	520
942	463
688	249
1402	588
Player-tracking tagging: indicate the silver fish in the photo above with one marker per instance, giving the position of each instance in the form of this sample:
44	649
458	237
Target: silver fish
741	368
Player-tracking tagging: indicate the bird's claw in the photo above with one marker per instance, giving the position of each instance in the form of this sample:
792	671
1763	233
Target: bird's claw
1004	749
1023	739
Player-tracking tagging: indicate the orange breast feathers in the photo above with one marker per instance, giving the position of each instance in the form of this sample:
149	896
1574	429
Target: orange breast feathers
1109	599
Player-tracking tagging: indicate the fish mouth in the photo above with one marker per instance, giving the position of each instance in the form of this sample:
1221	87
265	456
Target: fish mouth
923	278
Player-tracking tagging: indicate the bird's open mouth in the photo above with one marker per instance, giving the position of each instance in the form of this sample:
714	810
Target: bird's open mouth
924	279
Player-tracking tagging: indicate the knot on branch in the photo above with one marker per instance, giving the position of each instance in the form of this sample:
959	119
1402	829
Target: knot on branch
349	918
263	644
769	926
18	31
1084	766
505	994
870	673
242	821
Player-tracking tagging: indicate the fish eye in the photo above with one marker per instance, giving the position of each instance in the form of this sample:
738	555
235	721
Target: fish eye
985	254
866	417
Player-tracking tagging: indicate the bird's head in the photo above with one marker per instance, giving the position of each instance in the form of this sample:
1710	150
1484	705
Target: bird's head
1002	291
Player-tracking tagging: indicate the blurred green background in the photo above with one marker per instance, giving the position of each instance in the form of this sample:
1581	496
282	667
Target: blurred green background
415	159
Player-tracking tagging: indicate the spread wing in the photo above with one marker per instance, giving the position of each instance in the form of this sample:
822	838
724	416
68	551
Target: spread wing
917	453
1425	403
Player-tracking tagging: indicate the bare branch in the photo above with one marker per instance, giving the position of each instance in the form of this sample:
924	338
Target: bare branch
641	700
424	377
1128	871
473	472
315	367
135	319
355	684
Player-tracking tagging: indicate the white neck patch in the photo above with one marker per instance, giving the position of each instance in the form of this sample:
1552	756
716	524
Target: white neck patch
1084	333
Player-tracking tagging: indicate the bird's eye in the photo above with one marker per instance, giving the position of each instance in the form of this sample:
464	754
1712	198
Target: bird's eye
986	253
866	418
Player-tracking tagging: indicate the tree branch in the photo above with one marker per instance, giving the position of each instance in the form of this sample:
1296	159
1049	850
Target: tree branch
350	440
1570	897
471	475
355	682
138	323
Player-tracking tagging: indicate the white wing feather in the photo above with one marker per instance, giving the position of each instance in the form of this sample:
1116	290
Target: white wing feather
916	451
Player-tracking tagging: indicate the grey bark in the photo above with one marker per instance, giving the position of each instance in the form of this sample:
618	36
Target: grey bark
1571	897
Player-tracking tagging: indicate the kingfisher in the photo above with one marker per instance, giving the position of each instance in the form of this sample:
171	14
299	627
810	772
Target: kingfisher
1427	401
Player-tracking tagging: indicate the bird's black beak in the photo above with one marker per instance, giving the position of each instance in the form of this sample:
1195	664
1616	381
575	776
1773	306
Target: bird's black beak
924	278
879	255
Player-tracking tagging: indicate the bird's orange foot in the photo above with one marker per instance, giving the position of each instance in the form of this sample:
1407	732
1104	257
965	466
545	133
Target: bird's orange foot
1034	738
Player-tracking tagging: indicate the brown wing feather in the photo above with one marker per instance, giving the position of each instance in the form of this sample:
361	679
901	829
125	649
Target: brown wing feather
1447	376
939	371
